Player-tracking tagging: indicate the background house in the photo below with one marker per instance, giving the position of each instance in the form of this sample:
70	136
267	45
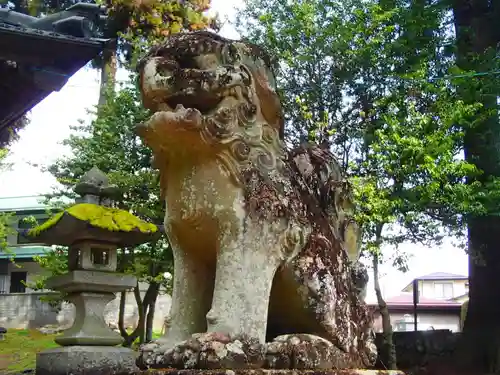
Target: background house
20	307
13	276
440	285
441	296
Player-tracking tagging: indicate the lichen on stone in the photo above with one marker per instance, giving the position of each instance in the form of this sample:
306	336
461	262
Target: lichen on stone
111	219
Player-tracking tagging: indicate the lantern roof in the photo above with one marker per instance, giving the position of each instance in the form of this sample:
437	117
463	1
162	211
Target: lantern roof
93	218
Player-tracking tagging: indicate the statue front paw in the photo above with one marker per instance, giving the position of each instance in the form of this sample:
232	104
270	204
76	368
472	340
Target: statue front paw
147	355
305	352
213	351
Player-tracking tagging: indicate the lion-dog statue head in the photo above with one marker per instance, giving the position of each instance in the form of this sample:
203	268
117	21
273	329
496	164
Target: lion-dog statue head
217	95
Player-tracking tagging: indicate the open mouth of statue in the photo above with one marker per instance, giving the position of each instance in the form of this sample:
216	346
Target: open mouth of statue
199	100
192	86
197	76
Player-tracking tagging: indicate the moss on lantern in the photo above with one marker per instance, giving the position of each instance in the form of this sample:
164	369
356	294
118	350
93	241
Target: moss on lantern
111	219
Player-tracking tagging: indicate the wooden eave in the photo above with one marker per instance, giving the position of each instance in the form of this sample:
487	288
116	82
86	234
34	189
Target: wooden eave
34	63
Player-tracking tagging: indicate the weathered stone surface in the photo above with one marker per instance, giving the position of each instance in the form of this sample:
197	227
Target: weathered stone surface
304	352
86	360
263	238
89	326
210	351
269	372
91	281
90	292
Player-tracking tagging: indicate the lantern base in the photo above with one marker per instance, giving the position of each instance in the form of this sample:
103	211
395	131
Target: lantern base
80	360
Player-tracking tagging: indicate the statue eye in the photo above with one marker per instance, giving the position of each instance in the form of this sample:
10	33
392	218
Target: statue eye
232	54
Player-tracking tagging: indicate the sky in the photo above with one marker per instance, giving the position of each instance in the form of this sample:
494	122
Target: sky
40	144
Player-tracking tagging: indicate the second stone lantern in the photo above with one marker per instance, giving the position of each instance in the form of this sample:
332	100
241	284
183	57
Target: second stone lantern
93	231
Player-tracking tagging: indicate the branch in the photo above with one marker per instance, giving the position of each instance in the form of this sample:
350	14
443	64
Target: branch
121	316
140	324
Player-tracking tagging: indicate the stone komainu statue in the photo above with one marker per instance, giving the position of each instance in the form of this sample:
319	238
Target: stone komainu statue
265	248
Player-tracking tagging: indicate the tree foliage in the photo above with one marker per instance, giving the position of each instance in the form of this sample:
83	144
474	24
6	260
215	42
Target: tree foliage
371	78
310	43
11	133
149	21
5	228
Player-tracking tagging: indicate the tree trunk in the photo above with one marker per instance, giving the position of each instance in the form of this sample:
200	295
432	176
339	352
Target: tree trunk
151	312
121	315
139	330
477	32
108	73
388	352
123	297
142	306
480	346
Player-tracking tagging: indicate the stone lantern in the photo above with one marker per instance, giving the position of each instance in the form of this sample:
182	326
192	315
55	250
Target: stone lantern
93	231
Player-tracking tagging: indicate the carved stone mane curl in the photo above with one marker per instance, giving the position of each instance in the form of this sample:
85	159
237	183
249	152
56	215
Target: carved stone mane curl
246	141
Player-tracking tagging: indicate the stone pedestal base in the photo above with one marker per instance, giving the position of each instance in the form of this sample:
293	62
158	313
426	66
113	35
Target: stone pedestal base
86	360
269	372
90	292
